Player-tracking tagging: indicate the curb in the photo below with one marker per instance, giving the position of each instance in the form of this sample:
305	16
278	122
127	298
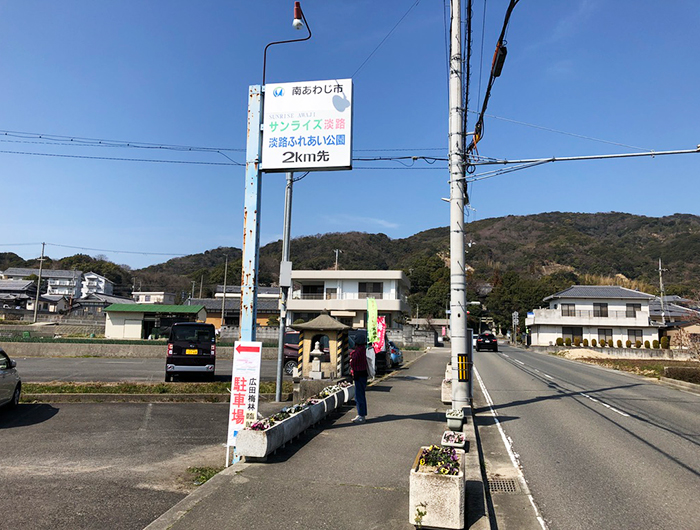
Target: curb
174	514
680	385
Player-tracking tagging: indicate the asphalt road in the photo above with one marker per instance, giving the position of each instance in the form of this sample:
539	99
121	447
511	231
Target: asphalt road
598	448
43	369
111	465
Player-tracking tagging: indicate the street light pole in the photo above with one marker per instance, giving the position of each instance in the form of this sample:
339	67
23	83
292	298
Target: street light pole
285	282
253	188
38	286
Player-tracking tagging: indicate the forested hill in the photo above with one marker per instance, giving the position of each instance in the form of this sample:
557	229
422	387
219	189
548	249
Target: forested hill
602	244
523	257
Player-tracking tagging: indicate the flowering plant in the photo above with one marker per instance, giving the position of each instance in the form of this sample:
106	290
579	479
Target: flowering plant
452	438
454	413
286	412
441	460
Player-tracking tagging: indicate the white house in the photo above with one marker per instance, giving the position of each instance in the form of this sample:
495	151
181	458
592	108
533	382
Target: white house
153	297
66	283
93	283
593	312
343	294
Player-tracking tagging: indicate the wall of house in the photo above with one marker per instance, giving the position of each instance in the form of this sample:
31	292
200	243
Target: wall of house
123	325
546	335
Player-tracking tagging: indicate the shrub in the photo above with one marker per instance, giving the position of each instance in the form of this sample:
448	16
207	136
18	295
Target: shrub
637	343
602	343
655	344
689	374
568	341
619	343
594	343
646	344
560	341
628	343
664	343
577	342
585	343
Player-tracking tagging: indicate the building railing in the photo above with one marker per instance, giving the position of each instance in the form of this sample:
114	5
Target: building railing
573	317
592	313
343	296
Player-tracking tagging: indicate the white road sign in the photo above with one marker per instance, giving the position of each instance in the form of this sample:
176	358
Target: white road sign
307	126
245	389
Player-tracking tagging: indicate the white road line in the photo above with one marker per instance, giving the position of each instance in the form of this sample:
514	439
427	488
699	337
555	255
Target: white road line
509	445
548	376
519	362
604	404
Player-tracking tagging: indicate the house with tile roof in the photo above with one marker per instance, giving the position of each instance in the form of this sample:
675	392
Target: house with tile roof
601	312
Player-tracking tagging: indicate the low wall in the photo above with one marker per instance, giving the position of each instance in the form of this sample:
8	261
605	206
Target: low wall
623	353
62	349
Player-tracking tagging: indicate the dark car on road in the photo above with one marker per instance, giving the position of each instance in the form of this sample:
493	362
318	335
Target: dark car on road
486	341
191	350
10	383
291	351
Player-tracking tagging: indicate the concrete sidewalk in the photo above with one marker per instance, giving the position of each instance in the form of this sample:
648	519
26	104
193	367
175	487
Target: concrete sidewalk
337	475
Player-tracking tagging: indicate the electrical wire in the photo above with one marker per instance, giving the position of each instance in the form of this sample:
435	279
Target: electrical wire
385	38
117	251
159	161
479	127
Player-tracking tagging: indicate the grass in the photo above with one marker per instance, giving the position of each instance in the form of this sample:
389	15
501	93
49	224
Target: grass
201	474
266	387
645	367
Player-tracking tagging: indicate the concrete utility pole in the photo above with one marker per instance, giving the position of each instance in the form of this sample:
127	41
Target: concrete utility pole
661	288
223	299
285	282
38	286
461	390
337	251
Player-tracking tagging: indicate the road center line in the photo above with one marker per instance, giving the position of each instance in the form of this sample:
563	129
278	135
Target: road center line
604	404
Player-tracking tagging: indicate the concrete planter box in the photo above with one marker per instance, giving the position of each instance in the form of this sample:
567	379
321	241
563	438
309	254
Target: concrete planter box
441	497
446	391
455	419
259	444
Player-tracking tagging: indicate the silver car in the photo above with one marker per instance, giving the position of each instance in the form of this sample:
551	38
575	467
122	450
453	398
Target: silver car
10	383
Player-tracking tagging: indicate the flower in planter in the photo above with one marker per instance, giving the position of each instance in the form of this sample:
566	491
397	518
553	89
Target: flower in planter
454	413
440	460
453	437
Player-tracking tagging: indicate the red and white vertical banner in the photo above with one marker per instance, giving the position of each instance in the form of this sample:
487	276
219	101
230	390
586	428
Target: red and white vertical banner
245	390
381	334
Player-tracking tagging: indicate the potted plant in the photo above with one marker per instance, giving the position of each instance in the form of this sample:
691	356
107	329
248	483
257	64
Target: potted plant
437	488
455	419
453	439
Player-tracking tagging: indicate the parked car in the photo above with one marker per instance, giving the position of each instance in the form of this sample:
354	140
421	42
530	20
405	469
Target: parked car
10	382
291	351
486	341
191	350
396	354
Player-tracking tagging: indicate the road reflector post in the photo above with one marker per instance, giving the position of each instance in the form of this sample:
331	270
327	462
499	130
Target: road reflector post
462	367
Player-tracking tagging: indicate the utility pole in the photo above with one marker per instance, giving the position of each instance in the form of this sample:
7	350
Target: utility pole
223	300
337	251
461	390
192	293
661	288
285	282
38	286
201	281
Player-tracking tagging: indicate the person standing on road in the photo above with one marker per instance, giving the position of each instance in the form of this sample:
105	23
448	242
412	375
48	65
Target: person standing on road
359	372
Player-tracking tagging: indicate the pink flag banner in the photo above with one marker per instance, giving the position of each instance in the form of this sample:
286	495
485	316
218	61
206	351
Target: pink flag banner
381	334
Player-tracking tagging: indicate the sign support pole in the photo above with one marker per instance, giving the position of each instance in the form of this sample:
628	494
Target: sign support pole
251	215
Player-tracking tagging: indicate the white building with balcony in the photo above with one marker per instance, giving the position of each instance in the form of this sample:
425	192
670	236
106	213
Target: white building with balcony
153	297
599	312
343	295
93	283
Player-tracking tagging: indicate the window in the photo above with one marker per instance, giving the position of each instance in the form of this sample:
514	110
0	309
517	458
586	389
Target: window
568	310
600	310
370	290
605	334
331	293
632	310
634	335
572	333
147	298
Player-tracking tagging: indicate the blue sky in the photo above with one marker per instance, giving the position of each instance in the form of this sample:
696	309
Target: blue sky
171	72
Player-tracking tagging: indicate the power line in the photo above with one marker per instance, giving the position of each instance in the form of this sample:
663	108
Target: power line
117	251
385	38
158	161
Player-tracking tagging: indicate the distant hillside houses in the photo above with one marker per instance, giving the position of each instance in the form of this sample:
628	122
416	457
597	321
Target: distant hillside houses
68	283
